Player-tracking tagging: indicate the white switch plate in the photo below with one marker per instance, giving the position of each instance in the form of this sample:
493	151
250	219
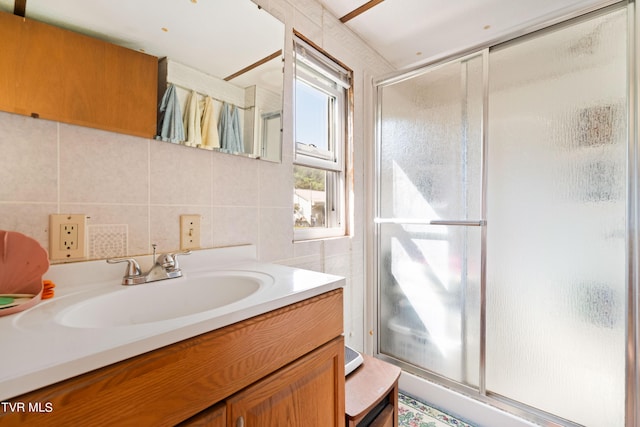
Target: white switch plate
189	232
67	236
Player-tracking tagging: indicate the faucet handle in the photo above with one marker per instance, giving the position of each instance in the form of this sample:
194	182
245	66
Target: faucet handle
170	261
187	252
133	268
175	258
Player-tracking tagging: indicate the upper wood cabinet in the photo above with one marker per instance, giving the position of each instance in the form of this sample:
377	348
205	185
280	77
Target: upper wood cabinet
56	74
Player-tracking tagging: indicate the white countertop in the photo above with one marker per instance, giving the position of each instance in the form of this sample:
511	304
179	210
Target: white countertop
38	351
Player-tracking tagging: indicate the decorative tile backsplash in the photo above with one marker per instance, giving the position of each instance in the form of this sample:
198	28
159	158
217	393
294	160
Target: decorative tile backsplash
107	240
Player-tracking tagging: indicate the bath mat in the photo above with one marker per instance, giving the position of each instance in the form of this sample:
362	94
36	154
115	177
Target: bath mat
413	413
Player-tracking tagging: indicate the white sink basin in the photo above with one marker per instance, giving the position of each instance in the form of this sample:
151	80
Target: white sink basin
162	300
111	305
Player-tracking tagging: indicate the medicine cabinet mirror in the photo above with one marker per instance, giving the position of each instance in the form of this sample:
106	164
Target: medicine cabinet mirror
232	41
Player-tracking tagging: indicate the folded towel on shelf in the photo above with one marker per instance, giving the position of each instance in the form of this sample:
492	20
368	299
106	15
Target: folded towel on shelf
229	129
192	119
210	136
170	126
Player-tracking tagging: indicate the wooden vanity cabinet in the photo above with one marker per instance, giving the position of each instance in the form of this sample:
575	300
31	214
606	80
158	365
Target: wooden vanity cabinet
282	365
56	74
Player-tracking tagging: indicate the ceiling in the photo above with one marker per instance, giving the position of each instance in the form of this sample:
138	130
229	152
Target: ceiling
409	32
404	32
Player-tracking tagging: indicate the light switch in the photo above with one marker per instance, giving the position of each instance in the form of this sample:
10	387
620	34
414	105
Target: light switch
190	232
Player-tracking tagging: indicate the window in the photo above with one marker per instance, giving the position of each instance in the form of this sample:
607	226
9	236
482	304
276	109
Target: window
321	135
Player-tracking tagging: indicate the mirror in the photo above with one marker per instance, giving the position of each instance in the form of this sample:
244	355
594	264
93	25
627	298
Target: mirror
230	50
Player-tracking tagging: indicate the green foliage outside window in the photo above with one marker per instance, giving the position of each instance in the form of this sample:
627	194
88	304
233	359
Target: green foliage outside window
309	178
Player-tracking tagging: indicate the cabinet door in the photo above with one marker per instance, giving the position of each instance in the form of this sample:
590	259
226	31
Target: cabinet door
82	93
56	74
132	89
309	392
31	66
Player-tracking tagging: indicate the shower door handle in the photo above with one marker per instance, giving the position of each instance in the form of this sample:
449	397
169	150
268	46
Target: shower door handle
478	223
474	223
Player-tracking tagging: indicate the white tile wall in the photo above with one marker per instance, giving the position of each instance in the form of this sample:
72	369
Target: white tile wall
29	156
179	175
101	167
48	167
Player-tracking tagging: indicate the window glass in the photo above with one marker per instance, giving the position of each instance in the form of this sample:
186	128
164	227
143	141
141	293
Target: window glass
310	198
312	116
321	88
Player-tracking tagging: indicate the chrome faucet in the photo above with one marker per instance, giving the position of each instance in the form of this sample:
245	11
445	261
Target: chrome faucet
166	267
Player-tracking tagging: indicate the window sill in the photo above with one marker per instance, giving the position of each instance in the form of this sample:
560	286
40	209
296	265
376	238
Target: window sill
315	235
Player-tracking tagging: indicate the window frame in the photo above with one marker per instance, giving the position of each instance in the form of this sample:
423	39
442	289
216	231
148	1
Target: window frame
316	69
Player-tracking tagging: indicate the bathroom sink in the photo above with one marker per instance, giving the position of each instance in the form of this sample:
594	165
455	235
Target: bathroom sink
163	300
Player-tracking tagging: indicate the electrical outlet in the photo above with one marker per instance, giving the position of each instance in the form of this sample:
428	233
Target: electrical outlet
189	232
67	236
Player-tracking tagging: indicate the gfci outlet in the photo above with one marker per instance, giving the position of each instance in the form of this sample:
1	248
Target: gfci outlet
67	236
189	232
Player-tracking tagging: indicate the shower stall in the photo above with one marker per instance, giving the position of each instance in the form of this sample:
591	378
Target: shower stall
506	222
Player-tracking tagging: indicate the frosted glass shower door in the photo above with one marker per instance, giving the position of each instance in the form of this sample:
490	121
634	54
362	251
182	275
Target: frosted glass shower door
428	217
556	221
